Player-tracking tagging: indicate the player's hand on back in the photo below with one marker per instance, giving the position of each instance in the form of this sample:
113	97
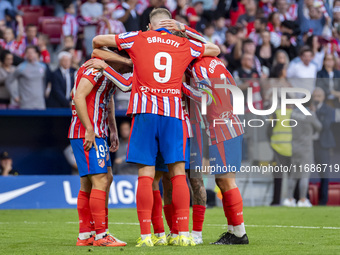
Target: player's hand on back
96	64
90	140
114	142
172	24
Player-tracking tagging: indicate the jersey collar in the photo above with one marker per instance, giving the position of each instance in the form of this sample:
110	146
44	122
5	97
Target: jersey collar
163	30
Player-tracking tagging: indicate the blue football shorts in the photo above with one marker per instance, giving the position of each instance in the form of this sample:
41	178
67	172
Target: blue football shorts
152	133
225	157
92	161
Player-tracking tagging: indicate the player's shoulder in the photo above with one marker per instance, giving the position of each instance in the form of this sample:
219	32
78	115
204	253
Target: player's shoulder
127	35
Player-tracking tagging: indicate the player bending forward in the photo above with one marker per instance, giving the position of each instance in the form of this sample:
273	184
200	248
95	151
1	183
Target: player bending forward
160	60
92	114
225	142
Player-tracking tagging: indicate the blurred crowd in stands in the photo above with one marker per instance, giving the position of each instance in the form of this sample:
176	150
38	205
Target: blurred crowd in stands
43	42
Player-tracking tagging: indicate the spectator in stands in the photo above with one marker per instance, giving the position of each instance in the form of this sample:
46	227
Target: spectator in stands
127	14
228	48
249	77
247	46
9	42
302	154
281	57
108	25
120	166
70	23
31	35
325	140
318	51
68	41
42	44
220	29
278	80
5	70
265	51
76	57
249	16
184	9
62	82
274	20
144	19
29	39
336	14
31	76
302	73
311	17
6	164
285	10
4	5
329	80
287	46
210	36
256	28
91	11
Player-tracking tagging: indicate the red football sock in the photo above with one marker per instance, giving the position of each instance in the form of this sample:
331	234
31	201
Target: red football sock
144	199
97	205
233	206
92	224
174	226
168	215
157	216
106	218
198	212
181	202
84	212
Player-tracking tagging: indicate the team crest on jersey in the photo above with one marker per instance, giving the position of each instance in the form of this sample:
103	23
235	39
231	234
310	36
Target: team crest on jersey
101	163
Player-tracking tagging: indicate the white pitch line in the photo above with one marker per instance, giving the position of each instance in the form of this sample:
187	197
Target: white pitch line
207	225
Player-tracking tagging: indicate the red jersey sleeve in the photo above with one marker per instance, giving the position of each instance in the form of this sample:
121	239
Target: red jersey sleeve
93	75
125	41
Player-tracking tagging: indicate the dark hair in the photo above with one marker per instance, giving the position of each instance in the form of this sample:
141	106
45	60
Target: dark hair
33	47
67	5
310	41
246	41
4	54
271	16
276	71
30	25
234	30
305	49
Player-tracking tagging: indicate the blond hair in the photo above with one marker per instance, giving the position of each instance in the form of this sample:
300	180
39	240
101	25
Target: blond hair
159	11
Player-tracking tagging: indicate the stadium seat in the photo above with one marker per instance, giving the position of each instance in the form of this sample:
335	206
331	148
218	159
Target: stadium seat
31	14
314	193
334	194
48	10
51	26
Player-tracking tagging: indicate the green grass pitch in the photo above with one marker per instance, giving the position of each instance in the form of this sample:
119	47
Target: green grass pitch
271	230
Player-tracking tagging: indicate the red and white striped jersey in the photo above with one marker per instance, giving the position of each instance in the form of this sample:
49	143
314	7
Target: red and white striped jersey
212	71
12	46
116	27
97	103
70	25
125	85
160	60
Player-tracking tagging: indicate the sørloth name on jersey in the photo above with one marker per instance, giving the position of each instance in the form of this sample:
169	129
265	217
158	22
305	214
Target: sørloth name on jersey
156	39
